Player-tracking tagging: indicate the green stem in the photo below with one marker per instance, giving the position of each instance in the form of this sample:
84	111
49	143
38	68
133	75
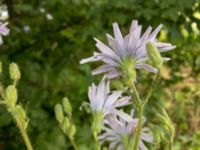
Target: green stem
73	144
24	134
135	94
140	112
171	138
152	88
139	126
171	144
97	144
141	107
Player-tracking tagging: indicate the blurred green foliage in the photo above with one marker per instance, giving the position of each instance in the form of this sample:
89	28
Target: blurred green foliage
49	37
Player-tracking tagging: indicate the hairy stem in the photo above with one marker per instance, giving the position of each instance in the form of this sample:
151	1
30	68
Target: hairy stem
171	144
24	134
152	87
97	144
73	144
141	107
135	94
139	126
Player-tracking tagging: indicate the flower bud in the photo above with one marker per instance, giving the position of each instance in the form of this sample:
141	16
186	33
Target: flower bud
14	71
66	125
22	116
154	55
72	131
67	106
11	95
59	113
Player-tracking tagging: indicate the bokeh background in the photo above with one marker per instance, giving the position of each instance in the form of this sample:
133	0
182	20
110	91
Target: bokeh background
48	38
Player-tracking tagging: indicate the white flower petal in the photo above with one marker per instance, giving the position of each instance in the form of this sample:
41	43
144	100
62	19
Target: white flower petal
154	34
106	50
142	146
146	67
164	49
117	33
102	69
113	74
134	24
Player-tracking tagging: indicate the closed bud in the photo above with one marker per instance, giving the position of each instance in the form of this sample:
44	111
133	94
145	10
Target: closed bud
14	71
66	125
72	131
21	111
154	55
22	116
59	113
11	95
67	106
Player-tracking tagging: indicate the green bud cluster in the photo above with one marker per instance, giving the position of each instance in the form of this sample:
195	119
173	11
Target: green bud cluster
63	115
10	97
154	55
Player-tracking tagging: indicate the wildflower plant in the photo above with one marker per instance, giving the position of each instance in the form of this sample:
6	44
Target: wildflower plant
63	115
111	128
10	98
121	57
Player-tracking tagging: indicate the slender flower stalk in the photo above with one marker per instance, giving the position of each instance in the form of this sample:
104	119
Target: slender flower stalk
24	134
139	127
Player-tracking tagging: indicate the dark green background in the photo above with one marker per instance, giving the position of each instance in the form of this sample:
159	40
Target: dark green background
49	57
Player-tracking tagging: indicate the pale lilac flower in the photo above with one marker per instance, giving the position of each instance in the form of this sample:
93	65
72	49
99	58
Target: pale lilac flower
129	50
116	129
103	102
102	99
3	31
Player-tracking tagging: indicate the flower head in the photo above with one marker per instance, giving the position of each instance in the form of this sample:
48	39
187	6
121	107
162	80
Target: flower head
102	99
121	133
129	50
104	102
3	31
